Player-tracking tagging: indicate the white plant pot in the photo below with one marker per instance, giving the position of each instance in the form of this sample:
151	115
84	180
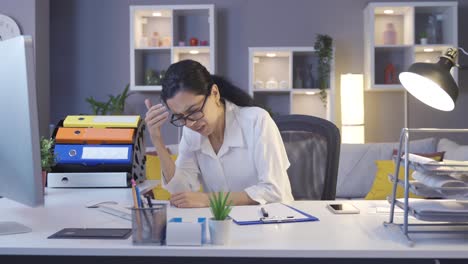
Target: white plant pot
220	231
423	41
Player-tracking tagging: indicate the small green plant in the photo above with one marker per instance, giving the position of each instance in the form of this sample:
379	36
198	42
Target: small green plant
219	205
114	106
423	34
324	46
153	77
47	155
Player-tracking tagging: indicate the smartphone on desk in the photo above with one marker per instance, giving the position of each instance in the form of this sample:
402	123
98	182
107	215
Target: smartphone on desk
343	208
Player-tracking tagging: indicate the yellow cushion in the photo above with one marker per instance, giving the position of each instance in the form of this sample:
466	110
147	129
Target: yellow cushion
383	187
153	172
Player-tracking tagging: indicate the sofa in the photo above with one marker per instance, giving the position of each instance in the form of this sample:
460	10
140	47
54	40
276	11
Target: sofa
357	168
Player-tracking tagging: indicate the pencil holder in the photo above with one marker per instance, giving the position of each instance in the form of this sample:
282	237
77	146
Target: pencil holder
149	225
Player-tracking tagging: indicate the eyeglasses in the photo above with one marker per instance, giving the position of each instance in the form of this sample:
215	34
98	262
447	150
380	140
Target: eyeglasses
181	120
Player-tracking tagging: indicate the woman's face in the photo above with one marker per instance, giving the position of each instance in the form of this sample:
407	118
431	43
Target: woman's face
199	111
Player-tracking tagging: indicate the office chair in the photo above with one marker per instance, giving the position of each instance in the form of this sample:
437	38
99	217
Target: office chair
313	148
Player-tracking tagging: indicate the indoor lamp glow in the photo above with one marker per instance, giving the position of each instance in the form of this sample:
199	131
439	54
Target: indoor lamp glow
352	108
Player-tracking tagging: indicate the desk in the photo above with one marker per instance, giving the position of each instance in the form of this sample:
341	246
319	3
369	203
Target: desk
360	236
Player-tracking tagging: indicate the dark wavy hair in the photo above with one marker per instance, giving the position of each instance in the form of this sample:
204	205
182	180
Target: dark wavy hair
189	75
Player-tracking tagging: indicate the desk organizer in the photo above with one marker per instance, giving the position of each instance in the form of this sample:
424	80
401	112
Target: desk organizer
436	216
98	151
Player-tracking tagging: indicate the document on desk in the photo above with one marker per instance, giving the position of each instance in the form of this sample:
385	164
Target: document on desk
277	213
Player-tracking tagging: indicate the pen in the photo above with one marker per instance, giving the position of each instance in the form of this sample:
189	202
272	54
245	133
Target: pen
264	212
150	203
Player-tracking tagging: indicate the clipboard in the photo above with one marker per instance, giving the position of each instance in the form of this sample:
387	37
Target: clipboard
279	213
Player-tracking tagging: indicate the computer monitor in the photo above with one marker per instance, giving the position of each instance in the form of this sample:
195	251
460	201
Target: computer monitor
20	158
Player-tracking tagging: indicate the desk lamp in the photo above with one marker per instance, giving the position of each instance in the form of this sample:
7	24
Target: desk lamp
432	83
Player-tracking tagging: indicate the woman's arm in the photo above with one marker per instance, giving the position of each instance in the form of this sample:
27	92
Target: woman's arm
199	199
167	164
271	163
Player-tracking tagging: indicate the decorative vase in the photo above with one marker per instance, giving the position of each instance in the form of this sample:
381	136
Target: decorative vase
310	77
389	35
390	74
193	42
298	80
155	39
423	41
431	30
220	231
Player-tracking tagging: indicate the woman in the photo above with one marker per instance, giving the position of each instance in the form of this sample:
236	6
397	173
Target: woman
227	144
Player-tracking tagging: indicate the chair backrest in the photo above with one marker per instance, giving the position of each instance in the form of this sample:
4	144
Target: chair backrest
313	148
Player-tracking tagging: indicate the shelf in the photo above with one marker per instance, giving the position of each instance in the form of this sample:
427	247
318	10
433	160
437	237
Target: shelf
387	88
392	35
306	91
188	24
155	48
305	70
155	35
290	73
389	63
272	90
393	28
392	46
188	49
436	22
147	88
305	104
278	103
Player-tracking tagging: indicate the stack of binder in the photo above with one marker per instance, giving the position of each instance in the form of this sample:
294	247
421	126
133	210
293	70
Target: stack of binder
98	151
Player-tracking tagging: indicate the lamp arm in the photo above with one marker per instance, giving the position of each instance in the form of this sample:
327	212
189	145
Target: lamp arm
464	51
462	67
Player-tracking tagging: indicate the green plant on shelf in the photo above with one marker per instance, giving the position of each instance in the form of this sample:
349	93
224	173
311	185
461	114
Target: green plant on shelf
115	105
153	77
324	47
220	206
48	158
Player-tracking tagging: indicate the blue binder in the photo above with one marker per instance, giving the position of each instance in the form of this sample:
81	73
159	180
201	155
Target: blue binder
92	155
279	219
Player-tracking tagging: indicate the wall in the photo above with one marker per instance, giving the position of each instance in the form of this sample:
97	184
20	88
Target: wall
90	53
33	18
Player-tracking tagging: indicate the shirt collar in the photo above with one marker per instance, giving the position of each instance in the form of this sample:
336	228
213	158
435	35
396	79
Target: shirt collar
233	136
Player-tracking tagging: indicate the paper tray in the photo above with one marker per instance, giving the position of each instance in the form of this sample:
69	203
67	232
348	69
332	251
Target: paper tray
437	210
423	190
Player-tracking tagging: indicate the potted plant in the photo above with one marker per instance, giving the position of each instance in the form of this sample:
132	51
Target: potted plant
220	223
423	38
324	47
47	157
114	106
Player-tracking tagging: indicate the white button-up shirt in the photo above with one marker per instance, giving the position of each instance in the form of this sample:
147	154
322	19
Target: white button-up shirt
252	158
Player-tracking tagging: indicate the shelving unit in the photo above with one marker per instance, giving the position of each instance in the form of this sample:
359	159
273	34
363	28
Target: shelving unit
161	35
444	216
392	39
285	79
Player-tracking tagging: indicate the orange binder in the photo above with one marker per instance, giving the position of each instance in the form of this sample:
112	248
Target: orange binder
94	135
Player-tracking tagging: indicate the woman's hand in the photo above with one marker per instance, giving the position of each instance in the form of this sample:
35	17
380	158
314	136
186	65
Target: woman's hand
190	199
155	118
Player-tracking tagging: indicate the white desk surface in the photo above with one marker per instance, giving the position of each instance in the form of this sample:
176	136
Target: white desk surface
334	236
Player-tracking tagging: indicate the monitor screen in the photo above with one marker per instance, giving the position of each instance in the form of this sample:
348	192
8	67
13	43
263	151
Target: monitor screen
20	159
